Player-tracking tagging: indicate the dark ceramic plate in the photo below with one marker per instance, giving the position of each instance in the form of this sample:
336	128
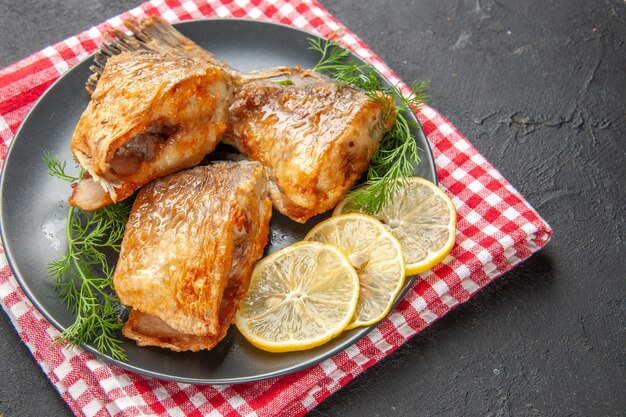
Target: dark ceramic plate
34	208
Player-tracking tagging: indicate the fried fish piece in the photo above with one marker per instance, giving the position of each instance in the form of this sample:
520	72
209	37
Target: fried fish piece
150	115
314	136
188	251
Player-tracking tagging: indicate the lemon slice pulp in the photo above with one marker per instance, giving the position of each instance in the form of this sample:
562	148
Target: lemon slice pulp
374	253
423	219
299	297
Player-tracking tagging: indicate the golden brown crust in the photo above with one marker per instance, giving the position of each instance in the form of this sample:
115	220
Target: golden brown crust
150	115
316	138
151	34
188	250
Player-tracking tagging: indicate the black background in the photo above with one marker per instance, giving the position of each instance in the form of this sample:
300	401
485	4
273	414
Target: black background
539	87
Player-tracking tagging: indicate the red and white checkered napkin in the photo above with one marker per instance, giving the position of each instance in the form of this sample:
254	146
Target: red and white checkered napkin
497	229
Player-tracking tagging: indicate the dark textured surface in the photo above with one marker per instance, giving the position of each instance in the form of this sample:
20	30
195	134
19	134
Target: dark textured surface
539	87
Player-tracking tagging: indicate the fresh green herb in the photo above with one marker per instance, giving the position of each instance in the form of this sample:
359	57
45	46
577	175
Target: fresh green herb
398	155
56	168
84	277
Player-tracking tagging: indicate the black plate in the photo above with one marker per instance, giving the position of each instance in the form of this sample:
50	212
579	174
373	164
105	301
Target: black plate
34	208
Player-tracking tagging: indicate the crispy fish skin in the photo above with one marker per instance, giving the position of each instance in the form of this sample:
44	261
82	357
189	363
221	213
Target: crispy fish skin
153	34
150	115
315	138
188	251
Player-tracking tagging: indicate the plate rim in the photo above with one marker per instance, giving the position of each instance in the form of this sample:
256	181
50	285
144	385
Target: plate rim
8	251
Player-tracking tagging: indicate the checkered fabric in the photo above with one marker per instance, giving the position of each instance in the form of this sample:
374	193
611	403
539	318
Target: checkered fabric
497	229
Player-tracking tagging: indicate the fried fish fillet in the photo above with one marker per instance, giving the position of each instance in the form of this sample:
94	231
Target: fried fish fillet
314	136
150	115
188	251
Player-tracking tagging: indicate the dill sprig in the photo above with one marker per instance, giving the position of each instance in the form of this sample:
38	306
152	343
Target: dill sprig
56	167
83	277
398	156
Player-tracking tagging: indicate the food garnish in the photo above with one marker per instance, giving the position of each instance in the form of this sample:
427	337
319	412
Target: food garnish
375	255
410	235
299	297
398	155
83	277
422	218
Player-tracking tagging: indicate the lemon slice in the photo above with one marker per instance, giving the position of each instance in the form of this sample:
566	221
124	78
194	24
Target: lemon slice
299	297
374	253
423	218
